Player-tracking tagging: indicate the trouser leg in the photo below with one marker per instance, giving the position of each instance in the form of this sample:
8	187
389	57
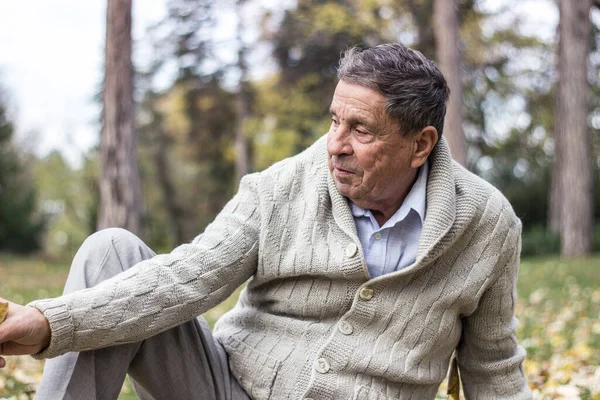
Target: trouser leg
183	362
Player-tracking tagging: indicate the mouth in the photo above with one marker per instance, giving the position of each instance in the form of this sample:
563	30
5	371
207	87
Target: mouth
341	171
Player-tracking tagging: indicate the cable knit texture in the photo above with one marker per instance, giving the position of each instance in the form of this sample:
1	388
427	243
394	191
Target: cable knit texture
310	323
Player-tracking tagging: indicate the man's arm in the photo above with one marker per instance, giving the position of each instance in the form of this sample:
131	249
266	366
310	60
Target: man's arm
489	356
156	294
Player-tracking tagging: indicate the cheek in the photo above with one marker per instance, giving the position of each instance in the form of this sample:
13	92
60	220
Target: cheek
372	166
366	160
379	171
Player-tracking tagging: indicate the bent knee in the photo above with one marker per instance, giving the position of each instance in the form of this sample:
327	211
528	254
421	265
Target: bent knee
106	238
107	253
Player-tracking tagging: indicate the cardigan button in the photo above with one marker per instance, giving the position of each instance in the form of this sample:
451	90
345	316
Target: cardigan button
351	250
322	366
366	293
346	328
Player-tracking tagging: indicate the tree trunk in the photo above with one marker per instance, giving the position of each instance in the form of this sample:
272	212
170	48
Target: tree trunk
449	60
241	102
421	12
120	193
574	149
554	202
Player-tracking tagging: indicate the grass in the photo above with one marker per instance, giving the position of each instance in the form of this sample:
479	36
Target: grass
559	327
558	308
27	279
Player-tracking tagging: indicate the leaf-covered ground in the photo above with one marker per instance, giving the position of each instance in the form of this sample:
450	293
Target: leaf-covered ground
559	303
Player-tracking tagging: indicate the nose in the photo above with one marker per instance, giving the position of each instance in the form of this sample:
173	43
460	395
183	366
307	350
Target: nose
338	141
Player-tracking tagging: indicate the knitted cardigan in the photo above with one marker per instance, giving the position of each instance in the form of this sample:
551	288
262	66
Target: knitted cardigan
311	324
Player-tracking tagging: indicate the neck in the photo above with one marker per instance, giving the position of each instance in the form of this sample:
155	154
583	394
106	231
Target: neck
382	218
382	211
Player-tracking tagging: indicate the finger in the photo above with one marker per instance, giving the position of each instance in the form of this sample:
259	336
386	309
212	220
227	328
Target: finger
15	349
2	362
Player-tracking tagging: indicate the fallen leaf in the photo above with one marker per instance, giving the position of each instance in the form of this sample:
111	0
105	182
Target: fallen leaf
453	381
3	311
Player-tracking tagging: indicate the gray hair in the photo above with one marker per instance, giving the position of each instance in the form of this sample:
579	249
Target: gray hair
415	89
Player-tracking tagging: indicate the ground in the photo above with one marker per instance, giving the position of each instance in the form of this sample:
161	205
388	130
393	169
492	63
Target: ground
557	309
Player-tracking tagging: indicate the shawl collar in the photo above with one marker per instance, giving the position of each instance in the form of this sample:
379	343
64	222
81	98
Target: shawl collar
441	203
441	206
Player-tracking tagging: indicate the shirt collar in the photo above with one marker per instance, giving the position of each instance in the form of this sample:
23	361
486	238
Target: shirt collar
415	200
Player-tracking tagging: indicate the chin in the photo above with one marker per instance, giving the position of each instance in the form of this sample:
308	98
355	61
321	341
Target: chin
344	189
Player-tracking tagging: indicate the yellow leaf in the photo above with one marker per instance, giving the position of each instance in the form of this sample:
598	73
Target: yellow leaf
453	381
3	311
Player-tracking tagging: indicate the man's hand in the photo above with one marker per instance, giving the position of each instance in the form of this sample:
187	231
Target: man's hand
24	331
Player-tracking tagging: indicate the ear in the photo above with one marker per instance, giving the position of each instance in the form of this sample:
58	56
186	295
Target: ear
423	144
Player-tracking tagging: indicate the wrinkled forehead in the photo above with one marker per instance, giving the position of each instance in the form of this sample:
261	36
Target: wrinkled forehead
358	96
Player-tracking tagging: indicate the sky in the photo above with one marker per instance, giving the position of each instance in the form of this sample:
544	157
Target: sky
51	54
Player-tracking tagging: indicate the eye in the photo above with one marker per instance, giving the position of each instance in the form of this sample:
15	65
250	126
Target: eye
363	135
361	131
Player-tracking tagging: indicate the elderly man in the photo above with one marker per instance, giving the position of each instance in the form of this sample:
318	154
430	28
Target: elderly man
371	258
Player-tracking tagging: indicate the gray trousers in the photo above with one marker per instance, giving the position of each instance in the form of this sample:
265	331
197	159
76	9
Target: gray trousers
184	362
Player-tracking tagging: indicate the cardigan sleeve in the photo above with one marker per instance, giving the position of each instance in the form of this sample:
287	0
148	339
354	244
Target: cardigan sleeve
164	291
489	357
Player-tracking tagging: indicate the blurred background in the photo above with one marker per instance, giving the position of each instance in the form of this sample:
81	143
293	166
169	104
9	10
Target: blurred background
224	88
146	115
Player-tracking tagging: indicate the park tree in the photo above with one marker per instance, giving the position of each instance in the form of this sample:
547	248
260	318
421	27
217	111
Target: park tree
187	149
164	225
21	226
293	103
197	121
68	195
188	127
446	28
120	193
508	92
572	189
421	12
242	100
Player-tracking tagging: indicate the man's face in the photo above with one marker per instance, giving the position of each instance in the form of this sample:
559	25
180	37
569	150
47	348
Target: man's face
370	160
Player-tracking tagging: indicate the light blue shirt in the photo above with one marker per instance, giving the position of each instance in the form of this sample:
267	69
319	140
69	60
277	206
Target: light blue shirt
393	246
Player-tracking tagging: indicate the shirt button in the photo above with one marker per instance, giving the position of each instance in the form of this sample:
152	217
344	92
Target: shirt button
322	366
377	236
351	250
366	293
346	328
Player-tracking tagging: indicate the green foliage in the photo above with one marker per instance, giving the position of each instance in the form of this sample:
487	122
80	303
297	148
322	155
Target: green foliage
596	238
20	225
69	198
275	132
185	159
520	170
187	130
538	241
307	46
